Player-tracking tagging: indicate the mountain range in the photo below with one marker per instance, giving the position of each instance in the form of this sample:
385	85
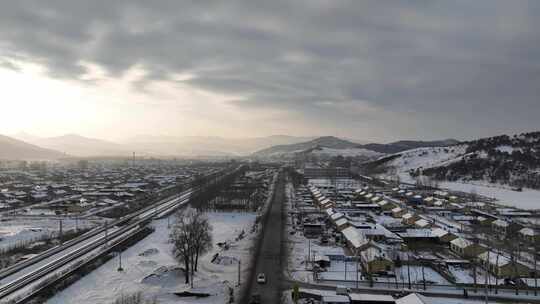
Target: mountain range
13	149
194	146
146	145
334	143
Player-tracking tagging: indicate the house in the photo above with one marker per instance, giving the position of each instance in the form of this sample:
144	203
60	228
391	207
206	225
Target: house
337	299
398	212
466	248
500	226
313	230
364	298
355	239
375	260
422	223
502	266
529	235
322	260
342	223
409	219
443	236
385	205
336	216
413	298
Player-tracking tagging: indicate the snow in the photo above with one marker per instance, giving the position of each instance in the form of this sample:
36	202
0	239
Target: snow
149	267
465	275
416	275
425	158
17	231
347	152
526	199
507	149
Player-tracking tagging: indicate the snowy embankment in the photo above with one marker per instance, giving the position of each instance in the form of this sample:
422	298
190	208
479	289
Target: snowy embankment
150	268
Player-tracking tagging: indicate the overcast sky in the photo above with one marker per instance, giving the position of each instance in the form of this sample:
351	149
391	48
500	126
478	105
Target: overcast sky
375	70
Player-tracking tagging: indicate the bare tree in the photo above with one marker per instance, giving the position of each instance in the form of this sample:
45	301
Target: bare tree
191	237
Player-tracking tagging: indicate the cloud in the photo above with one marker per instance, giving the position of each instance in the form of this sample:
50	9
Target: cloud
370	66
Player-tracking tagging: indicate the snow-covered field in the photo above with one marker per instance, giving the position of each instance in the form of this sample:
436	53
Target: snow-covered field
150	268
465	276
526	199
16	231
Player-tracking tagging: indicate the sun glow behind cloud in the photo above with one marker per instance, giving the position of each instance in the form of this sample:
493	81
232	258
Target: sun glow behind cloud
113	108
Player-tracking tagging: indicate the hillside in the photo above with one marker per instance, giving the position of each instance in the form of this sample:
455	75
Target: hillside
403	145
13	149
338	146
510	160
501	160
81	146
326	141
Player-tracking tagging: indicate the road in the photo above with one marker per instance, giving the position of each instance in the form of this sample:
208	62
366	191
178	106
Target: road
270	259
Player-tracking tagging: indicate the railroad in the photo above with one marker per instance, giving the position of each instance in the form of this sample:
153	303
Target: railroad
20	275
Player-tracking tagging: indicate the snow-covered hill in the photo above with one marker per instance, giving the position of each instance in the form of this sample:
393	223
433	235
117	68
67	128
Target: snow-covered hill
512	161
349	152
422	158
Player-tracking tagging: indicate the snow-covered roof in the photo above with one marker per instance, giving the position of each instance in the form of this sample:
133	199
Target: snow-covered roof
500	223
354	237
341	221
382	203
413	298
422	223
461	242
397	209
364	297
329	211
493	259
334	217
439	232
335	299
528	231
407	216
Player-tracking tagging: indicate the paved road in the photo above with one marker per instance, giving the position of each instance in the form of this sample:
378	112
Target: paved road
270	260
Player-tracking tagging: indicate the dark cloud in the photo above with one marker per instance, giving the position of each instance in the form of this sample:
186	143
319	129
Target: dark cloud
362	65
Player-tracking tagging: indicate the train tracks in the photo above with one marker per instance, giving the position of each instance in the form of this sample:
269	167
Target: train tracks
21	275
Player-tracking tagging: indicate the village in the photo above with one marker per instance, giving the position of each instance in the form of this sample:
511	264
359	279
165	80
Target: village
376	235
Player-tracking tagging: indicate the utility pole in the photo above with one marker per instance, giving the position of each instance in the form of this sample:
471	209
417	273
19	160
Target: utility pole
106	233
345	268
309	251
357	269
120	261
423	274
409	269
60	231
239	266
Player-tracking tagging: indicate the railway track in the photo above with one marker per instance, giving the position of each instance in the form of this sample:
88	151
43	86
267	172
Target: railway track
135	221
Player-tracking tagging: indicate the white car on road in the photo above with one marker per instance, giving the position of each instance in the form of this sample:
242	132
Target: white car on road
261	278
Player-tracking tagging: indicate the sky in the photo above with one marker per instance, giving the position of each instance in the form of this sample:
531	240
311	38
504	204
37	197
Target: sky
376	70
